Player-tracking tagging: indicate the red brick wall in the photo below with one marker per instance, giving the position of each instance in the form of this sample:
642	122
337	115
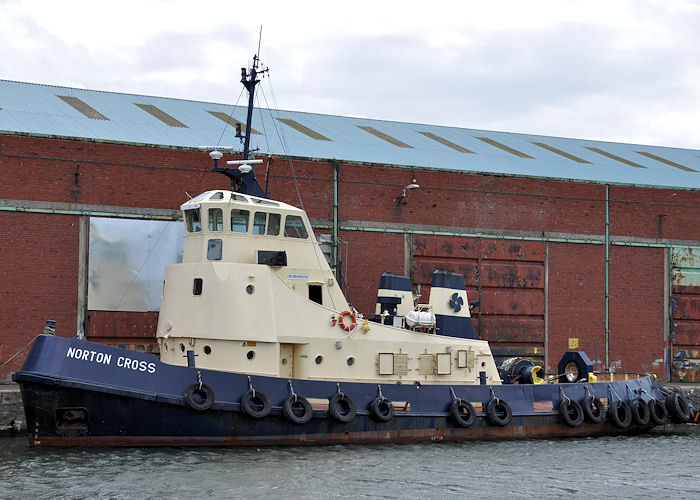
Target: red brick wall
453	199
637	309
576	301
38	272
655	213
369	255
42	283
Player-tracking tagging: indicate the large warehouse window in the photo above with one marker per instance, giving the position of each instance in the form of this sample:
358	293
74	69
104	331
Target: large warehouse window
127	260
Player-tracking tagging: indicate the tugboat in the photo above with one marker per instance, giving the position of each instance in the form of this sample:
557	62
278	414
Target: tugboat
259	346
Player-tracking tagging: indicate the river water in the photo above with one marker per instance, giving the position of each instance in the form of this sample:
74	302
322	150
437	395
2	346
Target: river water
664	464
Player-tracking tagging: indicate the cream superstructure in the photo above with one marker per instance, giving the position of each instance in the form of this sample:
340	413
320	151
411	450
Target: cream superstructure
255	294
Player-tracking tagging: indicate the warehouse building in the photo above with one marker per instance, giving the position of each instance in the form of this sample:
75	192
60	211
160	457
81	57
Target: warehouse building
565	243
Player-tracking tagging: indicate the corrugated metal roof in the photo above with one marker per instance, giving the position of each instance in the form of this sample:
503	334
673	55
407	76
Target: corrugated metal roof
45	110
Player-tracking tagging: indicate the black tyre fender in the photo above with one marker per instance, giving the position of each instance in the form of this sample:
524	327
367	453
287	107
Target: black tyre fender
593	410
640	411
571	412
342	408
658	412
463	413
256	404
620	414
499	412
678	408
199	398
382	409
297	410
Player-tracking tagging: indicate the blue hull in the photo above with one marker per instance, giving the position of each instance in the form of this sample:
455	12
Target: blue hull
80	393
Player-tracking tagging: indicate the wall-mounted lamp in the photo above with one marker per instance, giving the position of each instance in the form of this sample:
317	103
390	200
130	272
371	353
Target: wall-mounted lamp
404	190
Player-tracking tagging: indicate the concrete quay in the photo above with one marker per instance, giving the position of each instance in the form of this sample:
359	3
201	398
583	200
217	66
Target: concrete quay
11	411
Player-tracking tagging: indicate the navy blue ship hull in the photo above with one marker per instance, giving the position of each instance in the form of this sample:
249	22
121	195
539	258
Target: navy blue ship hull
78	393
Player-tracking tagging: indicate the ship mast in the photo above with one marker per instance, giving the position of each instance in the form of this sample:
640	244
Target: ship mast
243	177
249	81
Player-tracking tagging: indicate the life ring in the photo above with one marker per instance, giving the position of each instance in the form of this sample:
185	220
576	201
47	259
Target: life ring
499	412
199	398
353	320
297	409
571	412
640	411
342	408
658	413
678	408
462	413
620	414
256	404
382	409
593	409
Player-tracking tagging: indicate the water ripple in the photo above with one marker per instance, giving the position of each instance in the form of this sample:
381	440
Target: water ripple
660	465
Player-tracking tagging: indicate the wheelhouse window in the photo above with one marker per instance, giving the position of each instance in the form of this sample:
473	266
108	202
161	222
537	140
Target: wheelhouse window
273	224
214	249
239	220
294	227
193	221
259	220
261	201
216	219
266	223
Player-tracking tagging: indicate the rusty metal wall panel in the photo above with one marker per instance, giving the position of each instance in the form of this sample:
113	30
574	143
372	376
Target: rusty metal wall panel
686	267
685	314
686	333
501	329
506	276
686	306
685	365
512	274
423	270
509	301
461	248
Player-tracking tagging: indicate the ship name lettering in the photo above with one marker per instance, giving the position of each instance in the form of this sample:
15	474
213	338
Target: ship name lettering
135	364
92	356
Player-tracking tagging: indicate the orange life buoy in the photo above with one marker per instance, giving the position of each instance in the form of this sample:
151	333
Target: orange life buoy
353	321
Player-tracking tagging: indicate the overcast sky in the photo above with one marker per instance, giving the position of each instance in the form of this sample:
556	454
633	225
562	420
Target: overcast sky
615	70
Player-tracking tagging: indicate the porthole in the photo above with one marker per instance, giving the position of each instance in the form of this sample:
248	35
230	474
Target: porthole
182	347
284	361
351	361
483	363
250	289
207	349
319	360
250	354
